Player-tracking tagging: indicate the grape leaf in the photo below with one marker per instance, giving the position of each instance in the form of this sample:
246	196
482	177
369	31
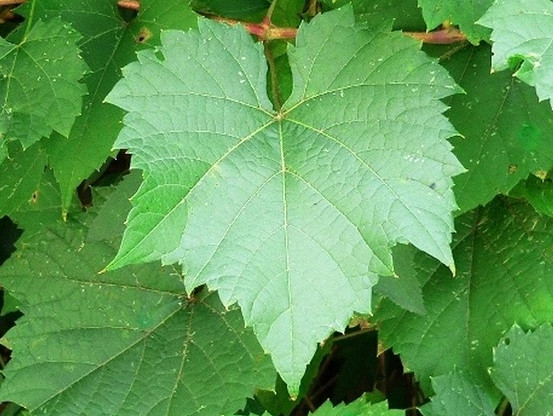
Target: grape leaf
108	44
405	14
522	37
112	213
241	9
43	207
504	263
464	13
20	176
537	192
357	408
120	343
457	394
251	201
507	134
39	82
404	289
523	370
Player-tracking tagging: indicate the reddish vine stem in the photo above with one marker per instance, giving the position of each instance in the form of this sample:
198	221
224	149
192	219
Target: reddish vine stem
124	4
264	30
11	2
440	37
129	4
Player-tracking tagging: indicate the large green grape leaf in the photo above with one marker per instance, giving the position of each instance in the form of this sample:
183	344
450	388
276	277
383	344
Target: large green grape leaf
291	213
507	133
39	82
121	343
523	370
457	394
464	13
359	407
504	265
522	37
108	44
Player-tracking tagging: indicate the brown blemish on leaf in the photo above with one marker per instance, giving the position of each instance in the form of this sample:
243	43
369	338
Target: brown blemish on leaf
513	168
34	198
143	35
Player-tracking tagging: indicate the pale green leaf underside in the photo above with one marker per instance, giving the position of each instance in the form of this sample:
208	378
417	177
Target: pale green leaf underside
357	408
523	370
290	214
121	343
523	34
457	394
464	13
502	253
39	83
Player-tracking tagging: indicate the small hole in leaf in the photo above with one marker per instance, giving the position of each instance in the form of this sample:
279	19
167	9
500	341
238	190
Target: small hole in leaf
34	198
143	35
507	341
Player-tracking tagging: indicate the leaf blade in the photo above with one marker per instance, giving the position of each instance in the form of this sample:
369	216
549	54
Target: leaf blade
522	369
467	315
40	85
240	205
521	34
100	340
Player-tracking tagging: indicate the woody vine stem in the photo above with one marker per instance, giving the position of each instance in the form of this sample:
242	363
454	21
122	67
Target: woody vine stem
266	31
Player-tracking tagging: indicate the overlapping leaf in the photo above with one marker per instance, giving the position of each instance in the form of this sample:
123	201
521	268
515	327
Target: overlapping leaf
538	192
120	343
20	176
457	394
523	370
507	134
108	44
39	83
291	213
111	214
405	14
504	263
464	13
236	8
357	408
404	288
522	36
42	207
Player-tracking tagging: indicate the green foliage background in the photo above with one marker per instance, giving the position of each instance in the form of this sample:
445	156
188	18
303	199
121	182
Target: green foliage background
314	200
